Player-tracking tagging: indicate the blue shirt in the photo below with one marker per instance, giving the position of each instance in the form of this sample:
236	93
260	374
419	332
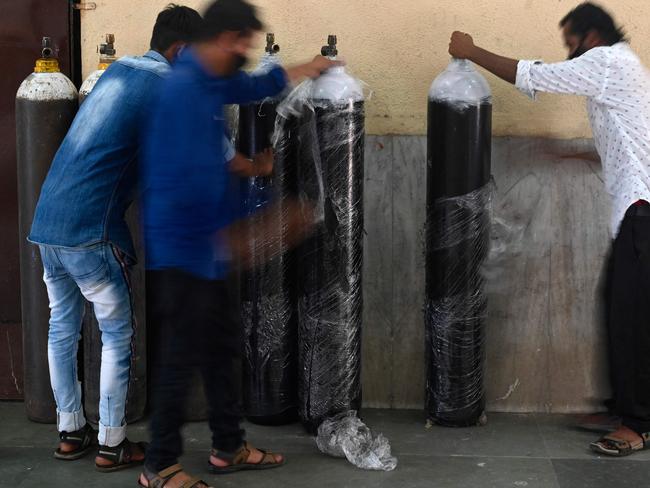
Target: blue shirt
187	185
92	179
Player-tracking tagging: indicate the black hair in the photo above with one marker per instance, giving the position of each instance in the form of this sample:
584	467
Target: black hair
587	17
230	16
175	24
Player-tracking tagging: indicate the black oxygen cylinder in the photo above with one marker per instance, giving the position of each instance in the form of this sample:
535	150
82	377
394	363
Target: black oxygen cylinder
92	336
46	104
331	260
457	243
268	297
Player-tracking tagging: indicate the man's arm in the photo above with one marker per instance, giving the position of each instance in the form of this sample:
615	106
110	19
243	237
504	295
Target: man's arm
584	76
245	88
462	47
299	223
313	69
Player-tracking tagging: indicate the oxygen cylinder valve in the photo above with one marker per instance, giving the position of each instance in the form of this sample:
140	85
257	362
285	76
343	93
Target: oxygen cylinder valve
330	50
47	63
46	45
108	49
271	46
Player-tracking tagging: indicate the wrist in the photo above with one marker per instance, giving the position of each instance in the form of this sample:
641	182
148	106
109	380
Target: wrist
474	53
295	73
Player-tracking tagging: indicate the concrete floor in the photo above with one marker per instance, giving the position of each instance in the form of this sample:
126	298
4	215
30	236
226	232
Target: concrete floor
511	451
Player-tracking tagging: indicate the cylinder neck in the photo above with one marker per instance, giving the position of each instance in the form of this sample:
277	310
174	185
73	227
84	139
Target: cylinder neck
45	65
460	65
105	62
106	52
336	69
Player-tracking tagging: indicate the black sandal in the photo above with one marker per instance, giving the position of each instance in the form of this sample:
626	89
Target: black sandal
159	480
611	446
121	456
239	460
83	439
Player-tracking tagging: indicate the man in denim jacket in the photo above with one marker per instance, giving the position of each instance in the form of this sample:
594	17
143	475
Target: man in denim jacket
85	244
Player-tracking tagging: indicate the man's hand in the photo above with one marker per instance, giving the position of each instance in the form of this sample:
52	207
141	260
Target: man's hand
312	69
261	165
299	224
461	45
241	166
263	162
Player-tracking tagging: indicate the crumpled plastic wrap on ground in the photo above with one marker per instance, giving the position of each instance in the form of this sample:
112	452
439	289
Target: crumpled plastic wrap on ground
346	436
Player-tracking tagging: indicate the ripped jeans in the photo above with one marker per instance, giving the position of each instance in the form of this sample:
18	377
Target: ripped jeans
99	274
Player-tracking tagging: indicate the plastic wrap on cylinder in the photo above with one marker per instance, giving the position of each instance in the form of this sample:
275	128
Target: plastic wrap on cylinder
330	130
268	298
456	308
457	244
267	293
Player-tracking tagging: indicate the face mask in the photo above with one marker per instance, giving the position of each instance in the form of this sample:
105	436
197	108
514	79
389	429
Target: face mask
580	50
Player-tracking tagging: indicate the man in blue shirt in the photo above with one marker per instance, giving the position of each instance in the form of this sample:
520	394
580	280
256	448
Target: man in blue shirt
86	246
186	204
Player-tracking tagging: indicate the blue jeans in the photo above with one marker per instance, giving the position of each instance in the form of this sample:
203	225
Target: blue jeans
99	274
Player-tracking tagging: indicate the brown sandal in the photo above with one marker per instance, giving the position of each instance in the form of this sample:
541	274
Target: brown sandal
159	480
611	446
239	460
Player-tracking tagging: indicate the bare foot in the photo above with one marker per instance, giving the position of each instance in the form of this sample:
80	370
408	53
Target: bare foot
65	447
622	442
626	434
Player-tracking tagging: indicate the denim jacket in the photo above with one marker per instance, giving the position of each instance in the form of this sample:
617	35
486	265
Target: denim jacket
92	179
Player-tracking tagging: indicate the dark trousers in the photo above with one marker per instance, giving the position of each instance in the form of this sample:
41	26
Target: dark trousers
627	315
195	330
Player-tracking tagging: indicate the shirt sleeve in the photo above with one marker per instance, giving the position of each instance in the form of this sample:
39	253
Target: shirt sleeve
585	75
246	88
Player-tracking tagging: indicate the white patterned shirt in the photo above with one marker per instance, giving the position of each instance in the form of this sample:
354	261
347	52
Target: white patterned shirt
617	87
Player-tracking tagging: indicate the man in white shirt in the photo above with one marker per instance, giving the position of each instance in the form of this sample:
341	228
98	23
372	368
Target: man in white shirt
603	68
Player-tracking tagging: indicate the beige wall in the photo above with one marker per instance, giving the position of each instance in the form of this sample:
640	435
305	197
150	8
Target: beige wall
398	47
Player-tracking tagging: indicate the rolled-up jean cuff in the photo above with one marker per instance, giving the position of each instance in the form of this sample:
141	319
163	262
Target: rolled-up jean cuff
111	436
70	421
